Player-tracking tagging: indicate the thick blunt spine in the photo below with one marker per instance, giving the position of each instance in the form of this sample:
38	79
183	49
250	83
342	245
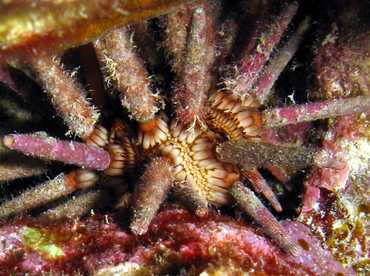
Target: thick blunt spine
254	207
64	151
150	192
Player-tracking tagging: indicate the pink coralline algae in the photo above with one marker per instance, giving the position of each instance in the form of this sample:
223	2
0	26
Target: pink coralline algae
336	202
342	57
176	241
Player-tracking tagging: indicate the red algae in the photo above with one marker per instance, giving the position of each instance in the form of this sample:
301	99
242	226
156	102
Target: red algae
72	240
176	241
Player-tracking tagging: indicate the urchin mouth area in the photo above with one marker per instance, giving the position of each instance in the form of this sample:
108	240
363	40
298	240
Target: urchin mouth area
192	156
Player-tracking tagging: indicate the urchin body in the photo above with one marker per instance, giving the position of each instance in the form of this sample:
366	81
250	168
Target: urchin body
207	108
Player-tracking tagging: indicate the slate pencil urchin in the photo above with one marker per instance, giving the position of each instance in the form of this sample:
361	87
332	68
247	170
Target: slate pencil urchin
174	91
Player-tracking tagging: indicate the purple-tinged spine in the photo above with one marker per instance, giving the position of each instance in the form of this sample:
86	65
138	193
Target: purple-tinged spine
314	111
64	151
254	207
260	185
251	65
273	70
190	91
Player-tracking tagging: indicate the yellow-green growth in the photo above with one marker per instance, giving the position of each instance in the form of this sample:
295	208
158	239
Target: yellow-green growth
41	242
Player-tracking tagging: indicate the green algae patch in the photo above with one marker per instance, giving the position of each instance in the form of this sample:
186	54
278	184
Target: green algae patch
42	242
